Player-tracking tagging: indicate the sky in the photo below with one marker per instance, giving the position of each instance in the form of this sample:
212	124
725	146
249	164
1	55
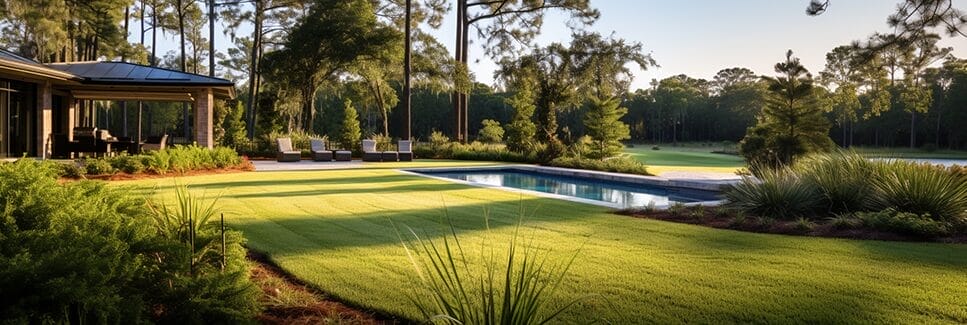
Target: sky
700	37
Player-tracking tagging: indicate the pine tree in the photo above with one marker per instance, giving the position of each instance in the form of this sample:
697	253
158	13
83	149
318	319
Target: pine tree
603	124
521	130
491	132
791	123
349	133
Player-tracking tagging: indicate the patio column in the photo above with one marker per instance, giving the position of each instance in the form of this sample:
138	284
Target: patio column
45	118
204	110
71	117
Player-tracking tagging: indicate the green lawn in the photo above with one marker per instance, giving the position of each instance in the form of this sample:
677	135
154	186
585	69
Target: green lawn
332	229
911	153
685	159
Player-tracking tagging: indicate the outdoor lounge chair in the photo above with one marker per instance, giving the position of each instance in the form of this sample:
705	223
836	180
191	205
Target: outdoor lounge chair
405	148
369	151
342	155
318	149
286	153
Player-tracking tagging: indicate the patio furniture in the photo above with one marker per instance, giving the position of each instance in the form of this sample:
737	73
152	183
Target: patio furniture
318	149
343	155
85	141
389	156
369	151
405	148
286	153
154	143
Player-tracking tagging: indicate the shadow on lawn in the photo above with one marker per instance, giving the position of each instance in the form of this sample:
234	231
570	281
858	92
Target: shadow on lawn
323	179
331	191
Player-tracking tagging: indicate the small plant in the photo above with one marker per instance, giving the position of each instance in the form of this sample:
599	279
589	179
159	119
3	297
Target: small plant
844	221
697	212
721	212
738	219
516	290
656	148
71	170
128	164
804	225
98	166
905	223
678	209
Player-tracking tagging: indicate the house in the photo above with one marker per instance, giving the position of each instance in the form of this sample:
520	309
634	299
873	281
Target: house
40	100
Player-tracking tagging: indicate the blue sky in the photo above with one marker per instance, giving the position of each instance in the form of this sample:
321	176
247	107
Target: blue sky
701	37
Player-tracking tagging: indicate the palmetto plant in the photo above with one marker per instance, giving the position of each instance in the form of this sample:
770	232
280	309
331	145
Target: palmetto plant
515	289
183	222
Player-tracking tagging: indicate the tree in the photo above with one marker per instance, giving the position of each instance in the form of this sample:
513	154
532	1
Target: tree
915	95
505	26
521	130
307	60
842	75
603	124
349	134
491	132
791	123
738	96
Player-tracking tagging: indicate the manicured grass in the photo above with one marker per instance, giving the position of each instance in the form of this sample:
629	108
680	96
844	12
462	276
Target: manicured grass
685	159
333	229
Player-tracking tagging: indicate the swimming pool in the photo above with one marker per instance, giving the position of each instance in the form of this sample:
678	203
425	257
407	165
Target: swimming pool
608	192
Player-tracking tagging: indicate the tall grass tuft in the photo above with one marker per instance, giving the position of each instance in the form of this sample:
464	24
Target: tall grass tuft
842	179
921	190
515	289
776	194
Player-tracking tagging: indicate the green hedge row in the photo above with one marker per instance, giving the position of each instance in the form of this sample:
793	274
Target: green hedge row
178	159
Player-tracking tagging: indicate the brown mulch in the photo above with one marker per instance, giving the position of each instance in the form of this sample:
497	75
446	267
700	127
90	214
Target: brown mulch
246	166
716	218
322	309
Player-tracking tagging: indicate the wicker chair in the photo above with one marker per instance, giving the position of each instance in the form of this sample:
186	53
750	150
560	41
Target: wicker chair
318	149
286	153
369	151
405	150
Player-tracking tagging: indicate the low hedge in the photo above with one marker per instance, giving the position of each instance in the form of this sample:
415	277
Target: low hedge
178	159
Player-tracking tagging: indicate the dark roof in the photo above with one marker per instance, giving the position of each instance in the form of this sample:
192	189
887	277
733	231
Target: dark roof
124	73
7	55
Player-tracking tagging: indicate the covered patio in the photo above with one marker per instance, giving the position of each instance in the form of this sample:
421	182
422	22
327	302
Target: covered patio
43	103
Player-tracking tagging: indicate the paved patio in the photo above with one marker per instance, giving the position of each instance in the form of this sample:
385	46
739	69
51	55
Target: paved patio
272	165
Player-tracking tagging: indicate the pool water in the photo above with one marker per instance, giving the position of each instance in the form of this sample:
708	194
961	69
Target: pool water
614	193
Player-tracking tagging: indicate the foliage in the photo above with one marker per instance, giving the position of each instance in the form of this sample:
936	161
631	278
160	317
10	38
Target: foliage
71	170
98	166
842	178
521	130
605	128
79	252
233	125
515	290
349	135
128	164
620	164
183	159
920	189
491	132
904	223
791	124
776	194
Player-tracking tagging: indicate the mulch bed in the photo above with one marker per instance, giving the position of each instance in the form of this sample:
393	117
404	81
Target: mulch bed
245	167
715	218
321	310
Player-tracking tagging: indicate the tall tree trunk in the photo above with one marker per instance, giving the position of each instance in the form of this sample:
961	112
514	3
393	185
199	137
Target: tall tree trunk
154	34
465	97
406	132
124	104
211	38
913	129
253	69
458	57
186	113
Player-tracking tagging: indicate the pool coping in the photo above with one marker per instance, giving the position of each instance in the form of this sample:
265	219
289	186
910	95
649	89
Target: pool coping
704	185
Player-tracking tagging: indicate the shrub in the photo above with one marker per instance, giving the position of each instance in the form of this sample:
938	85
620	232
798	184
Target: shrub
921	190
439	141
82	252
158	162
844	221
71	170
98	166
619	164
491	132
128	164
777	194
842	178
905	223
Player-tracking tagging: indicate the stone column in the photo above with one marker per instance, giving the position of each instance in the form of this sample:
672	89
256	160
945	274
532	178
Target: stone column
70	117
204	114
45	118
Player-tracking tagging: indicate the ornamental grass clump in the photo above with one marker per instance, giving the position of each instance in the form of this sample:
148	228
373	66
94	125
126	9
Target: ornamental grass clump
776	193
843	179
919	189
515	288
